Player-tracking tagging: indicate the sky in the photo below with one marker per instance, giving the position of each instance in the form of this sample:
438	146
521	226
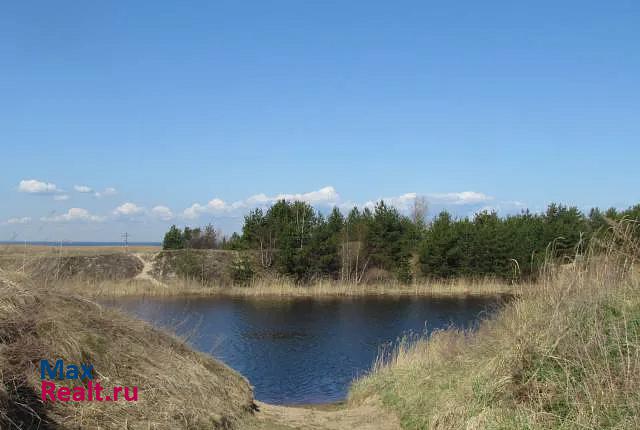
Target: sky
130	116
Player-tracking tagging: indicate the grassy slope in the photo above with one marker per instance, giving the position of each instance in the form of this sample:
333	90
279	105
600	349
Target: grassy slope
180	388
565	354
107	271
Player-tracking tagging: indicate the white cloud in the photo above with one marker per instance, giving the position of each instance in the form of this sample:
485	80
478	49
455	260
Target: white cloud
259	199
61	197
213	206
128	209
82	189
461	198
34	186
193	211
404	202
326	195
109	191
22	220
74	214
162	212
217	205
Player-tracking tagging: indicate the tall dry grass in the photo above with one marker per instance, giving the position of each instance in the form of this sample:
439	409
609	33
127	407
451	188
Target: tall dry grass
285	288
565	354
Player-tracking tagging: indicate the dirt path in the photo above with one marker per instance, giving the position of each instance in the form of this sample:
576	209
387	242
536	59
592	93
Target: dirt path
145	274
368	416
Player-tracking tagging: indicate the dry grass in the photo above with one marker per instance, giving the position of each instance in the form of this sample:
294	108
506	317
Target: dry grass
179	388
27	258
565	354
17	251
283	288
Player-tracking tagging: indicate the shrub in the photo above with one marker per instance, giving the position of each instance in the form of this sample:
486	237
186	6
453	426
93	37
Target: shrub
241	270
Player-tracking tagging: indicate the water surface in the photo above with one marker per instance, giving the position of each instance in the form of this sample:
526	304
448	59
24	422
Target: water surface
300	351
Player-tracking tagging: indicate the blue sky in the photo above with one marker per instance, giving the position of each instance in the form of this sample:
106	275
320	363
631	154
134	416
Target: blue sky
168	105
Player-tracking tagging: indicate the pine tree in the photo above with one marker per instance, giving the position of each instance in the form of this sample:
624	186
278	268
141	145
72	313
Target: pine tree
173	239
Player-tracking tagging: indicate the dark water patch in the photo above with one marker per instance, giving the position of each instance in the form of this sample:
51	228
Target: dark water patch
301	351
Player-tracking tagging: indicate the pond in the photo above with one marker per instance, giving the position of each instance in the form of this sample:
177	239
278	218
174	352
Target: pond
303	351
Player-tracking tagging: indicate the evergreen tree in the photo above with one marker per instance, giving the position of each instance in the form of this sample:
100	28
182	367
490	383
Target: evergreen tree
388	237
440	254
187	237
323	250
173	239
404	272
565	229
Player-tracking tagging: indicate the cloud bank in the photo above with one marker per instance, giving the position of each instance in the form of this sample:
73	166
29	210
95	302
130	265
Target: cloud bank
323	198
82	189
329	197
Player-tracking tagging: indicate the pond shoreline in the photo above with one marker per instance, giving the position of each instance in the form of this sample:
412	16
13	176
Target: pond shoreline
148	288
304	351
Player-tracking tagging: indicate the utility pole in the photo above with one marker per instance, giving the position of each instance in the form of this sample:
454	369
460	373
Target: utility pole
125	241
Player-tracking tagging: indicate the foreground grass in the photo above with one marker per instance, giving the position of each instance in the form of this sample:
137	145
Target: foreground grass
563	355
178	387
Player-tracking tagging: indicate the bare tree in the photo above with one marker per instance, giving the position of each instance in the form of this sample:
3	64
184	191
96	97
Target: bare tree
352	239
419	210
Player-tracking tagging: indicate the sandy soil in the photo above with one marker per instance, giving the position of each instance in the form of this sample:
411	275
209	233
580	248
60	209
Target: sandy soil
145	274
369	415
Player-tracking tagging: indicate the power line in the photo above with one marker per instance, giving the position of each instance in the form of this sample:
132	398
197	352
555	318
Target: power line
125	241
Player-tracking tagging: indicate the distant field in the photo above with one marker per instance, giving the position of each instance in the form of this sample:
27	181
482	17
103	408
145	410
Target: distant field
16	248
15	256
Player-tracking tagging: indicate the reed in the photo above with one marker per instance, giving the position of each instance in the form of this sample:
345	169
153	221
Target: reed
284	288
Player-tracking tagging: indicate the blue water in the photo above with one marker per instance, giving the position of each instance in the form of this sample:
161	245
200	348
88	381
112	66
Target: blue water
303	351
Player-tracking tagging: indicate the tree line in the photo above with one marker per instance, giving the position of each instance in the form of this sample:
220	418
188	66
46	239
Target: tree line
299	241
206	237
